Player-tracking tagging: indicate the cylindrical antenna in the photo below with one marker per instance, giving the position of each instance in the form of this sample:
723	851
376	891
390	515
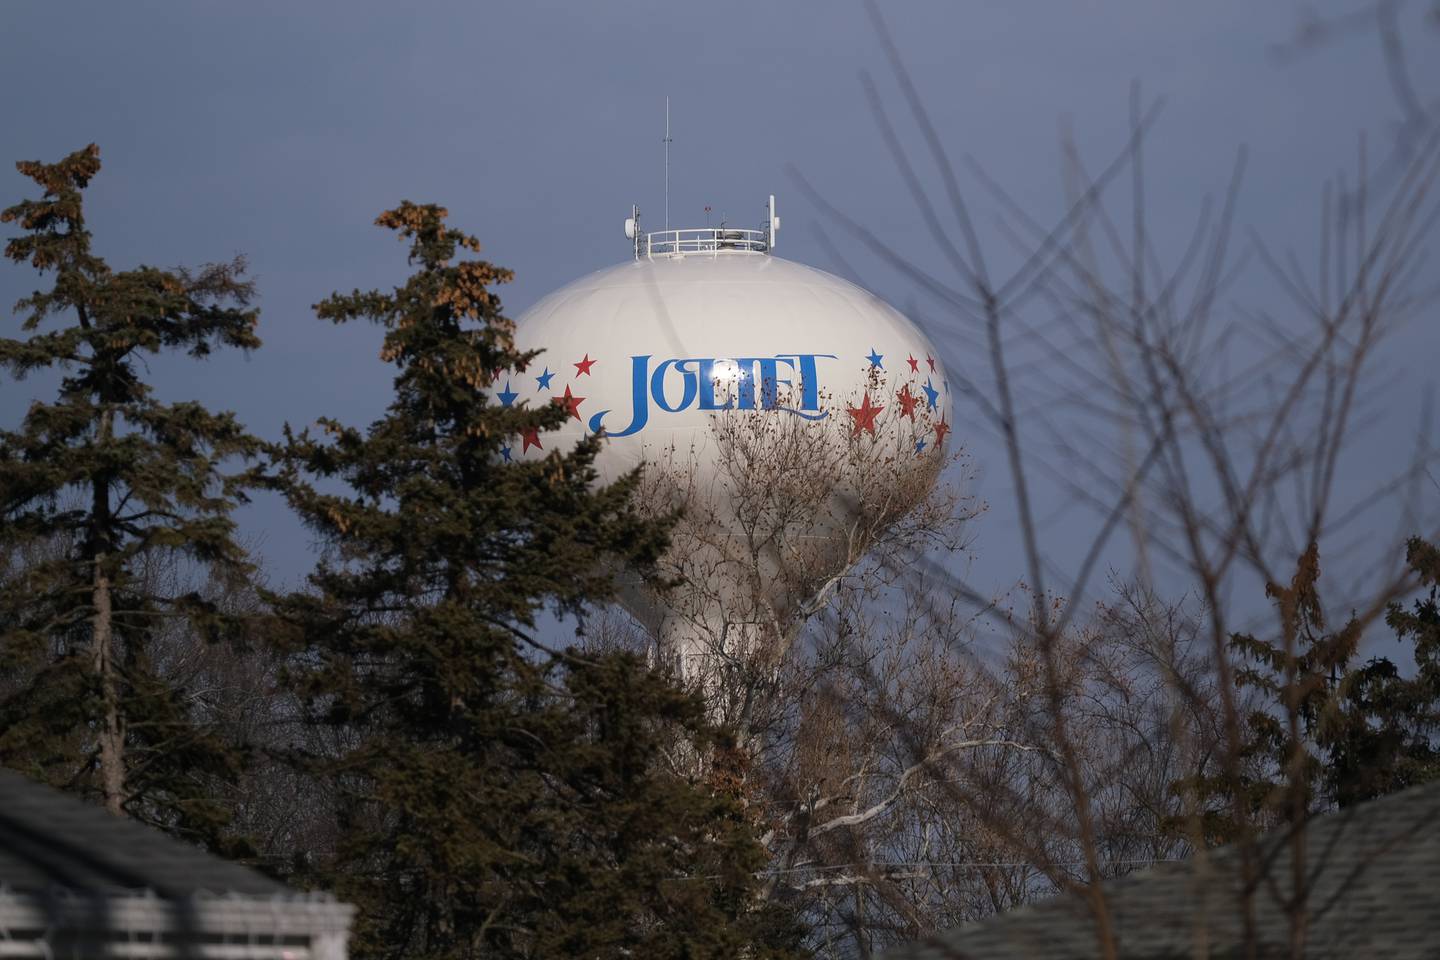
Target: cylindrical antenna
667	163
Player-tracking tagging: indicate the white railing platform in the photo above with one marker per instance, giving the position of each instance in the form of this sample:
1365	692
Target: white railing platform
661	243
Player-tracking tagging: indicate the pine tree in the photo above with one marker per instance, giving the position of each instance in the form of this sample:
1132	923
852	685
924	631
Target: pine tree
497	797
1383	737
99	486
1296	677
1360	731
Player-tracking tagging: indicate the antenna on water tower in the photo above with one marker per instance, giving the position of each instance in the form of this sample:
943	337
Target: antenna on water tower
667	163
632	228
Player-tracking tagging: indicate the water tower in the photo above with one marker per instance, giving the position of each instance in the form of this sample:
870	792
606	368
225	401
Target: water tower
791	415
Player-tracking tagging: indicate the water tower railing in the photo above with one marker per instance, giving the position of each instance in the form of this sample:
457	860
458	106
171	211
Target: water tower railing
703	240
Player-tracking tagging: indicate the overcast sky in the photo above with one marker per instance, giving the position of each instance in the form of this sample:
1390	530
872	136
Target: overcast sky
279	130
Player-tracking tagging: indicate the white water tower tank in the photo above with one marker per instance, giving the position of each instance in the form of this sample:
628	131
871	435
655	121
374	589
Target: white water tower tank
739	377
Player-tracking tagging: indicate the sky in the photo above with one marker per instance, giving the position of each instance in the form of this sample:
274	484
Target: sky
278	130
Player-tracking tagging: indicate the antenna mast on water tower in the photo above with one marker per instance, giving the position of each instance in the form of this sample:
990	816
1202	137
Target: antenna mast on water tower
667	163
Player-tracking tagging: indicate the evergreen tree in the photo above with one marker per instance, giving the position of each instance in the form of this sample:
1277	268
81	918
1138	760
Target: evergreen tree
95	486
497	797
1386	735
1297	676
1363	730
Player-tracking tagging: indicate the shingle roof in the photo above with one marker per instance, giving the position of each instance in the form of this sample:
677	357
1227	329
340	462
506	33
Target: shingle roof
1373	872
50	841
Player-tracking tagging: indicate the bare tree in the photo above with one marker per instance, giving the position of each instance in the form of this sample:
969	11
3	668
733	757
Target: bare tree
1213	434
913	781
774	515
906	782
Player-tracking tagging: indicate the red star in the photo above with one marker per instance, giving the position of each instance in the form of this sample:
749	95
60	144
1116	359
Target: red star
941	429
584	366
930	360
532	439
569	402
908	402
914	364
864	415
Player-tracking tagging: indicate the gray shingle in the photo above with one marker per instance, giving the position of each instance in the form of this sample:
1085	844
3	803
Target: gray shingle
50	841
1372	873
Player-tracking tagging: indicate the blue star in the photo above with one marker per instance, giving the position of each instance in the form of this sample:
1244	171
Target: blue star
875	359
919	446
507	397
505	451
544	379
931	394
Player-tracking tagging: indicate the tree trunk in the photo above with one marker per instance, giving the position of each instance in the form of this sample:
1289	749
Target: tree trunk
103	660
